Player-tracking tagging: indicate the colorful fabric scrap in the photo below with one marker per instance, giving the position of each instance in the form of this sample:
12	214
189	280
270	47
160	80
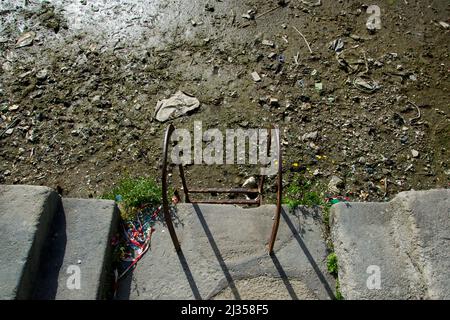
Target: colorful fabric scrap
133	241
334	200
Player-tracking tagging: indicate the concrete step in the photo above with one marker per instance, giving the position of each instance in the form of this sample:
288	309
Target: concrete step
403	243
77	256
224	255
26	213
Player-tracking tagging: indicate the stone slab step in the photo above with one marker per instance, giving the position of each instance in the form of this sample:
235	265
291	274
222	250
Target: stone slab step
26	213
78	244
224	256
395	250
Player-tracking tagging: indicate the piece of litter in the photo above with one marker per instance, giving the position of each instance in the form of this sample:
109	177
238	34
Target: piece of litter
256	76
133	239
250	15
414	153
175	106
312	4
444	25
336	45
267	43
14	107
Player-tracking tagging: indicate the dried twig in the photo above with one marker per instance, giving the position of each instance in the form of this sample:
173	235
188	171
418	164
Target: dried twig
266	12
12	124
306	41
418	113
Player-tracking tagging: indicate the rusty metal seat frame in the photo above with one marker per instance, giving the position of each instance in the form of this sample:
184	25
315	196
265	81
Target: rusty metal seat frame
257	201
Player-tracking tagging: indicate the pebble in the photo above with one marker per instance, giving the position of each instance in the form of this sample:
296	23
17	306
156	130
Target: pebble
274	102
250	183
335	184
14	107
256	76
42	74
310	136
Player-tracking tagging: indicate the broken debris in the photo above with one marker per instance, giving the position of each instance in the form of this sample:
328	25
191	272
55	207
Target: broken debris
366	84
25	39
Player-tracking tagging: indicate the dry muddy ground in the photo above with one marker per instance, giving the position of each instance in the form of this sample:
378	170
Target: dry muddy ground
80	80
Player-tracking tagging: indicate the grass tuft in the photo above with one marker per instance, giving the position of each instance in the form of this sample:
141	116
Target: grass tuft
300	193
332	264
136	192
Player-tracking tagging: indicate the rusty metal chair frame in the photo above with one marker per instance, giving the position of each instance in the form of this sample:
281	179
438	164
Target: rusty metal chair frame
257	201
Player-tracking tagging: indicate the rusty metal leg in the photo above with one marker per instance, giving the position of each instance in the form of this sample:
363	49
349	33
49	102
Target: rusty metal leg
276	222
261	189
183	181
167	216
